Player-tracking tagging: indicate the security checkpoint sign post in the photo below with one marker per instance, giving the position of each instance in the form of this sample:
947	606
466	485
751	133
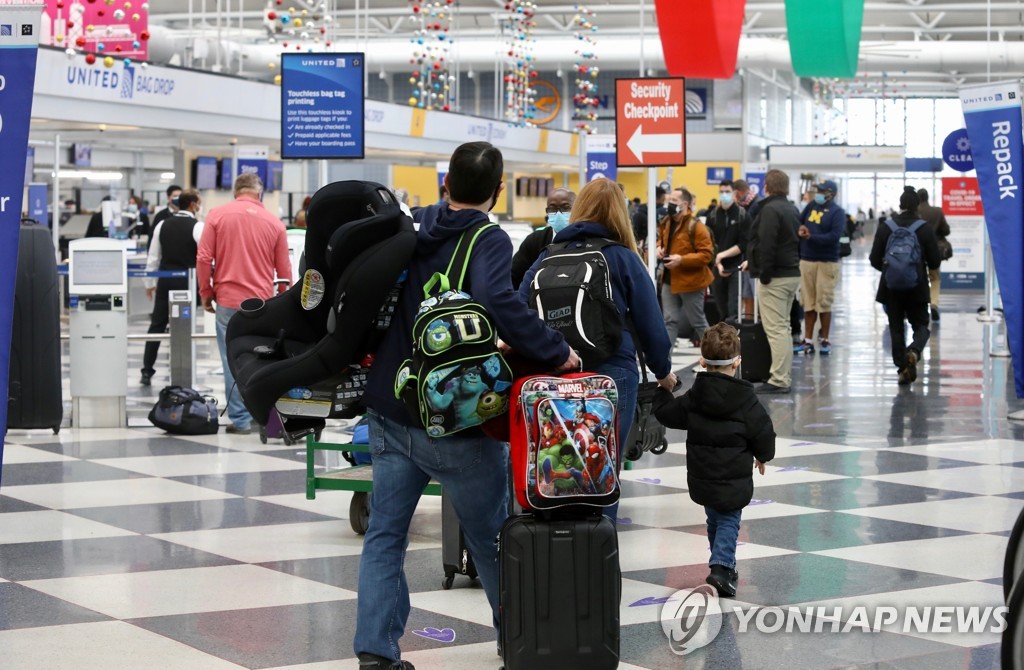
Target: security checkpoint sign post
322	105
650	131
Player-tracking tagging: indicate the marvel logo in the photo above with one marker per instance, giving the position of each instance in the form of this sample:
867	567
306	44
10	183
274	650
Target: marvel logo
570	389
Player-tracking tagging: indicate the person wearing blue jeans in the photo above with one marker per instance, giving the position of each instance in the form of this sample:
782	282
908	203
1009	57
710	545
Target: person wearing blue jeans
728	431
240	418
472	469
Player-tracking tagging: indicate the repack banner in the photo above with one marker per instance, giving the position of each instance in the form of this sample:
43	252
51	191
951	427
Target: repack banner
19	42
993	116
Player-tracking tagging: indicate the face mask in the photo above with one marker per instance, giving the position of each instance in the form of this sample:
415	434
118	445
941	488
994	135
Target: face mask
558	221
725	199
819	198
673	209
133	208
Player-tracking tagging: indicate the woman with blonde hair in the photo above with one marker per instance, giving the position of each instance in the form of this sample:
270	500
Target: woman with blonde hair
600	212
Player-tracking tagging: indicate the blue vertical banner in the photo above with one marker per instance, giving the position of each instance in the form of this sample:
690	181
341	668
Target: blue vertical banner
19	41
993	116
601	158
253	159
37	203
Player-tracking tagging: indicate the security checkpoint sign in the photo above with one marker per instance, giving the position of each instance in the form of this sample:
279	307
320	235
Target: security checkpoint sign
650	121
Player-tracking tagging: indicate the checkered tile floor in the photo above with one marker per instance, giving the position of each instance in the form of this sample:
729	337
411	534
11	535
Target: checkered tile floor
131	549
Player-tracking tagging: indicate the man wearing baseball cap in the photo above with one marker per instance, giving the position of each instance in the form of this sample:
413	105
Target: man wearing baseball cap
822	223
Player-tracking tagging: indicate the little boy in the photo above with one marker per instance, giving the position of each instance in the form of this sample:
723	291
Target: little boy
727	428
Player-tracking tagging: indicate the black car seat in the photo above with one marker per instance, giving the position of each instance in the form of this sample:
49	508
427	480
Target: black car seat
306	352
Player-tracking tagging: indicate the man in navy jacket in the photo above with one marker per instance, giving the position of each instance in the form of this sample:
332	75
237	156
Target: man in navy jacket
822	223
472	468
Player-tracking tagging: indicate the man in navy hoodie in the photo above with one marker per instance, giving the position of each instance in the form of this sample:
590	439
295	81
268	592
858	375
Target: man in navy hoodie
472	468
822	223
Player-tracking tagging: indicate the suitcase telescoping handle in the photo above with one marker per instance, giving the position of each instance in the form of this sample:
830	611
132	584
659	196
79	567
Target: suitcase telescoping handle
739	296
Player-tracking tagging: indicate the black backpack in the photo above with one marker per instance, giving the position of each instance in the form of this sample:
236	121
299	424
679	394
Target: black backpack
456	377
572	292
183	411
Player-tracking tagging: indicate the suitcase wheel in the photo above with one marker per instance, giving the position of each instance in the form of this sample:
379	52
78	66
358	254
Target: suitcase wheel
56	430
661	448
263	435
288	441
359	512
448	580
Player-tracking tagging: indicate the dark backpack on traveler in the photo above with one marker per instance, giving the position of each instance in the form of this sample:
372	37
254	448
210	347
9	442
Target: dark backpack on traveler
902	256
572	292
183	411
456	377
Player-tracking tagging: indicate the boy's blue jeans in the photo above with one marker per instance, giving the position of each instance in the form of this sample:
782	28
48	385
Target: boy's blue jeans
723	531
474	474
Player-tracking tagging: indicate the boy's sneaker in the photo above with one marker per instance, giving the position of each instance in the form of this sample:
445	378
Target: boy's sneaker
825	347
804	347
374	662
724	580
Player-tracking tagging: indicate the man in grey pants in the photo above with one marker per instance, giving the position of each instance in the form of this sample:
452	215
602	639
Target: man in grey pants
686	251
774	253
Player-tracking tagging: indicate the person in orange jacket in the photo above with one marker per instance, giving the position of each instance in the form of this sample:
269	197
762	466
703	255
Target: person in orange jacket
686	250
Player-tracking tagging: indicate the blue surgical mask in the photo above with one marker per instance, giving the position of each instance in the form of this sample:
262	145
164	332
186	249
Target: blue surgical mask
558	221
132	207
819	198
725	198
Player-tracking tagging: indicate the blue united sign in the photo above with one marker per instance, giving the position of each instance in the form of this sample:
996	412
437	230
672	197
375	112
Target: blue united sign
322	105
993	116
18	46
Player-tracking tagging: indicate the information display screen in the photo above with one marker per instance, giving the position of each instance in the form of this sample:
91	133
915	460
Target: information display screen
98	267
204	175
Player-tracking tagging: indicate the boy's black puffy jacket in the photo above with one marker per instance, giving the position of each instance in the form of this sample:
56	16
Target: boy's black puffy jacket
727	427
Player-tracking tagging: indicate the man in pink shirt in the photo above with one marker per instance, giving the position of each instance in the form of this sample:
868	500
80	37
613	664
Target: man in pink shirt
247	244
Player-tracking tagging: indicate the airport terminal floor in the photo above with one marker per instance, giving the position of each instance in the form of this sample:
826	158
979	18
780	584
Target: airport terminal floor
879	495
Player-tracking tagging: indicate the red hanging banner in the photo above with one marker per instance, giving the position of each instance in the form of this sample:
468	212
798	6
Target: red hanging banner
712	36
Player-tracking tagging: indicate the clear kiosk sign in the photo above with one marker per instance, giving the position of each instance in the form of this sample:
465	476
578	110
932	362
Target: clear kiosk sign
322	106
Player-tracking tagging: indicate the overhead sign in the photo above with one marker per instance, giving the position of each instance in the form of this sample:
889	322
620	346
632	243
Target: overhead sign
37	203
601	158
836	156
956	151
19	41
115	28
716	175
322	105
252	159
650	121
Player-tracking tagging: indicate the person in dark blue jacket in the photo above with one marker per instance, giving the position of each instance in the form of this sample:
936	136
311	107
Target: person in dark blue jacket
472	468
600	212
822	223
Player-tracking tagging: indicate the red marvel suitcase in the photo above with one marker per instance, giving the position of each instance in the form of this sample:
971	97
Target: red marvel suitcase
563	440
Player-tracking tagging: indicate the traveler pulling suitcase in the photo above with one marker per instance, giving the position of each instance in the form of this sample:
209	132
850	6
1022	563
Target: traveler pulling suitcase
754	346
35	396
560	587
646	433
454	554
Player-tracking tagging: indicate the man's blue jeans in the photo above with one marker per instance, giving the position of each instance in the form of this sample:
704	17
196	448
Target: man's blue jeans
237	412
474	474
723	532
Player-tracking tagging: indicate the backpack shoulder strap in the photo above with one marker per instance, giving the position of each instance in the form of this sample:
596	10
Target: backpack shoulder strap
891	224
916	226
459	262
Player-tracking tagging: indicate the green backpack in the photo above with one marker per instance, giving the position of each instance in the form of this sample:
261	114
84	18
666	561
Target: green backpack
456	377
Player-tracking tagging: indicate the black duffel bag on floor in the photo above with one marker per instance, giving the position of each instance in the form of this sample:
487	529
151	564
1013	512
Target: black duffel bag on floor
183	411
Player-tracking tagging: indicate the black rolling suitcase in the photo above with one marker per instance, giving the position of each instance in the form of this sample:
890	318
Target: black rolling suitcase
560	589
454	554
35	399
754	346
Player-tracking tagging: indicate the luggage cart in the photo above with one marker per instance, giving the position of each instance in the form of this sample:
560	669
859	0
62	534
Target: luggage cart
357	478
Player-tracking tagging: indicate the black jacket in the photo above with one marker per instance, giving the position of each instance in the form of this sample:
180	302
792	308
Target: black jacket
727	427
730	227
929	254
639	221
529	251
774	246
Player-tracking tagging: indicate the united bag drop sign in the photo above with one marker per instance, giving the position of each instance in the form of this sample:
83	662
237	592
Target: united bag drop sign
19	41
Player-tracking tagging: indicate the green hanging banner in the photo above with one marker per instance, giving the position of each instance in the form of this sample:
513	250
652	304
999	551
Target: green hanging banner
824	36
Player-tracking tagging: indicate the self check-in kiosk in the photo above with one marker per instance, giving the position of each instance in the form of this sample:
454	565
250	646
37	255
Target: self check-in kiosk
98	288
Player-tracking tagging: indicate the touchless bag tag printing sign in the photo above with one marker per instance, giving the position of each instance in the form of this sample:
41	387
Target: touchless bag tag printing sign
19	41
